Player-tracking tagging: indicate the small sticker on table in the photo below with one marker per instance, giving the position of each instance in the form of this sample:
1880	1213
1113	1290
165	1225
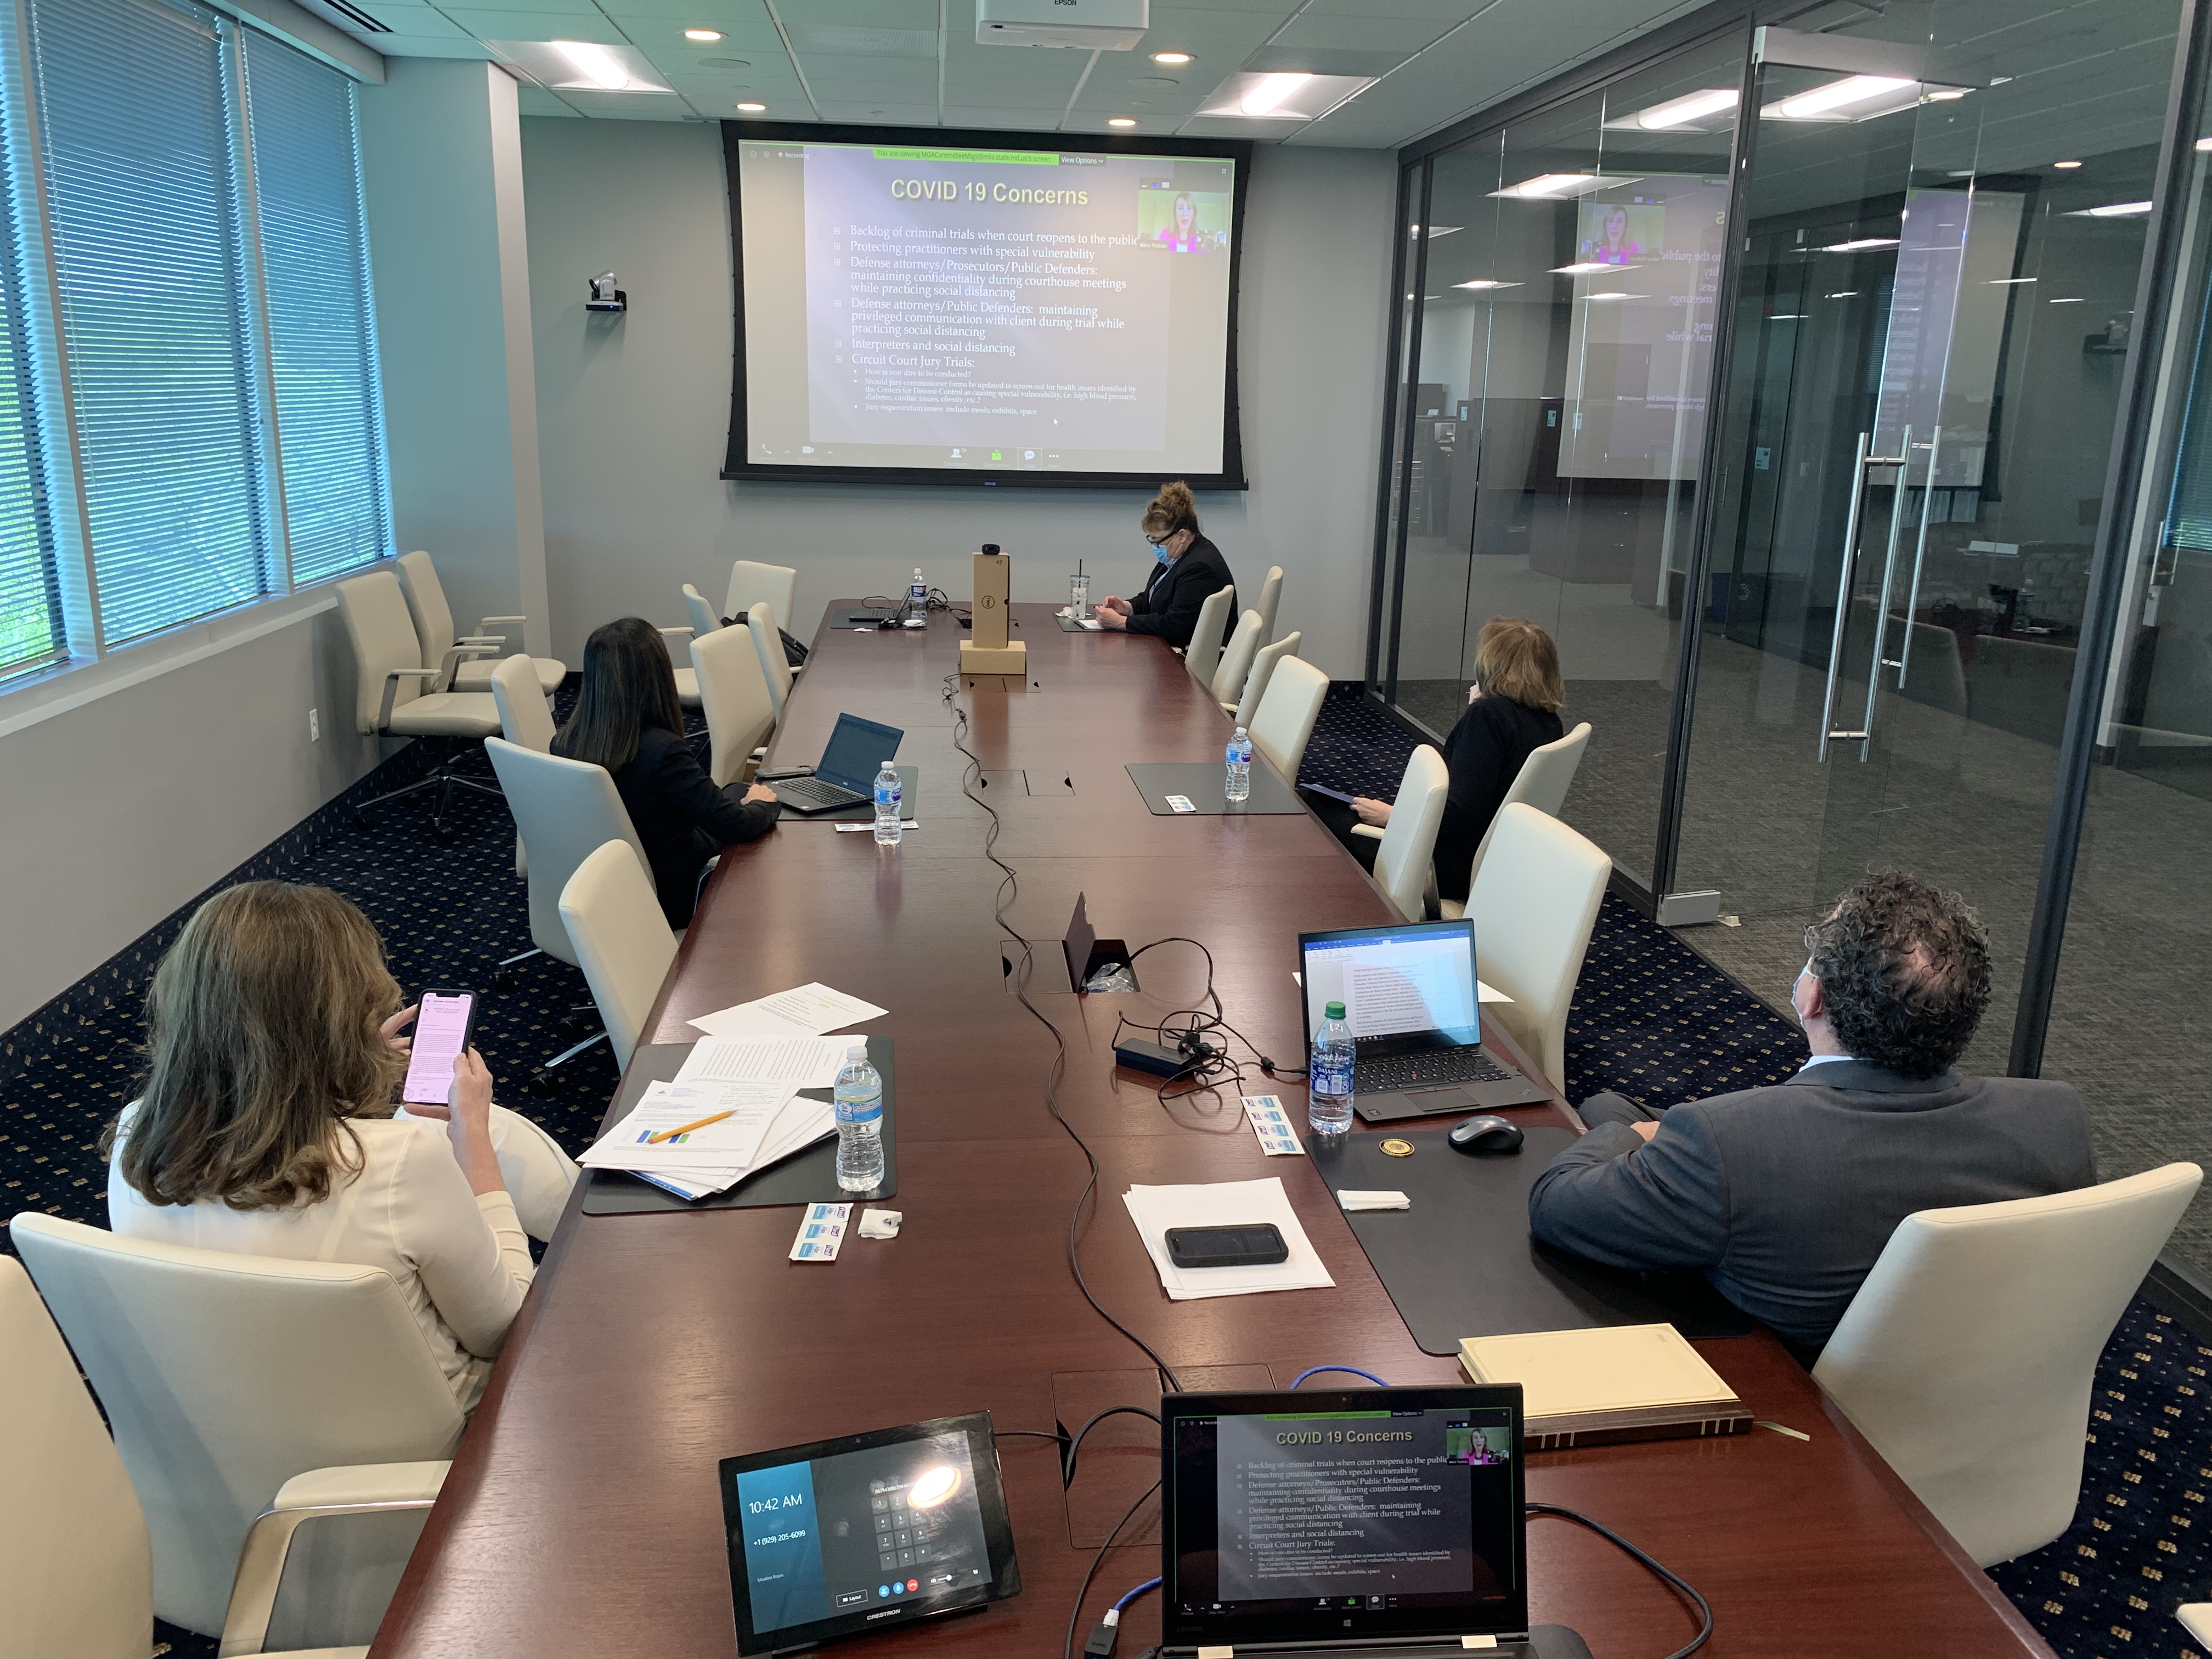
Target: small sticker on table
821	1232
1396	1148
1272	1125
1181	804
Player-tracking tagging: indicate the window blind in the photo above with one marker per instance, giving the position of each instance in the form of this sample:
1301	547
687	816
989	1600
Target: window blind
143	213
314	261
31	631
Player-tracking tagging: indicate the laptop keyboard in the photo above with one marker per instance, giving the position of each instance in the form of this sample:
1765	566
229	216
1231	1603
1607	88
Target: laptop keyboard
815	793
1421	1071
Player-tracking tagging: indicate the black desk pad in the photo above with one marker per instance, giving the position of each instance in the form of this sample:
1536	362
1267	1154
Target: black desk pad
1069	625
1461	1262
1201	782
867	616
909	795
808	1177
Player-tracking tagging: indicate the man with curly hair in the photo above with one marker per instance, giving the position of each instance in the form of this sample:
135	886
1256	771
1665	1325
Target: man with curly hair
1784	1196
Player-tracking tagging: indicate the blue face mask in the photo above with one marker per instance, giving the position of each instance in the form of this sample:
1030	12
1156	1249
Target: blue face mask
1161	553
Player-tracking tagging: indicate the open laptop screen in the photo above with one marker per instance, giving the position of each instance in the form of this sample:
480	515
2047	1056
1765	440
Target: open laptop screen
1350	1516
1403	989
856	752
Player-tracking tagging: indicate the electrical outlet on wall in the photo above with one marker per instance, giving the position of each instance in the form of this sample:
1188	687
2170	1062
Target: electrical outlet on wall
314	725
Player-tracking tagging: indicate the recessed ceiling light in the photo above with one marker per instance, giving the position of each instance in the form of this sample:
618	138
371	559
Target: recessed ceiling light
1271	90
702	35
1553	184
2071	300
2116	210
2067	165
1171	57
752	109
2009	281
596	63
1121	120
1590	268
1860	245
1682	112
2204	143
1484	284
1946	94
1787	317
1615	294
1848	293
1837	94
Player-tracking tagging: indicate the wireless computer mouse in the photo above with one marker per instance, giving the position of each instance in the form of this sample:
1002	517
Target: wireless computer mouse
1485	1137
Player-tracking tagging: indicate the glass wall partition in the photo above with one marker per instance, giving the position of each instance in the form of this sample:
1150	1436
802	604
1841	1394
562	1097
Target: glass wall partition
1559	398
1940	249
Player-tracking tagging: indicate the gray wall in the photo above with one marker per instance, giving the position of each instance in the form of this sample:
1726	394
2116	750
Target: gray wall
633	412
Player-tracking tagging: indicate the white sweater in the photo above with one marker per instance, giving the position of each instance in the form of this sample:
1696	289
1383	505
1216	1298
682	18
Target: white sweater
462	1262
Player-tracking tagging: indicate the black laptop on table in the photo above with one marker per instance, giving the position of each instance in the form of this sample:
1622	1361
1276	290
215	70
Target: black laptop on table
846	774
1409	995
1359	1523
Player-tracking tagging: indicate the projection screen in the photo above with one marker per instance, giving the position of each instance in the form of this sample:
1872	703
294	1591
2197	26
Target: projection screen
984	308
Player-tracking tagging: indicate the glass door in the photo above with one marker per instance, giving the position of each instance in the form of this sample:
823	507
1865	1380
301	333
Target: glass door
1939	248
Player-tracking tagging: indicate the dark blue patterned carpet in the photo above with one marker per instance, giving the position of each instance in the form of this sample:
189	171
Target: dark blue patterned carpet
1652	1019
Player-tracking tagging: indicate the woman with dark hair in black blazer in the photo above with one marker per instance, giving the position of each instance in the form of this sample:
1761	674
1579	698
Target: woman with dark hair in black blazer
1191	571
627	719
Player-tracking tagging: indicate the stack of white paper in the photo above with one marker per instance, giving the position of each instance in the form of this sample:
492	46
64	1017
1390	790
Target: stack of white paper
769	1122
1224	1203
805	1011
797	1062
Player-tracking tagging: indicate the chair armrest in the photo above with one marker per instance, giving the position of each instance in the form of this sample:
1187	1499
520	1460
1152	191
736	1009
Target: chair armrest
454	657
482	639
1368	831
392	690
485	623
319	1494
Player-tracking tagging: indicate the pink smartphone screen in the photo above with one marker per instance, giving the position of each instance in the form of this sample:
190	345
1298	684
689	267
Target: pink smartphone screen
440	1029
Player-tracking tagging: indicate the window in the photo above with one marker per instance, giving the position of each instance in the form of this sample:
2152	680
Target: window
201	228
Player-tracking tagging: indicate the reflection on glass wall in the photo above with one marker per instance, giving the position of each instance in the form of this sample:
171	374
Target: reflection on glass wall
1931	322
1559	395
2126	1024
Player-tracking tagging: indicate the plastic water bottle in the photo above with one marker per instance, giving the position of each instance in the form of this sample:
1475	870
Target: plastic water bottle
859	1096
1239	787
888	829
1328	1076
917	601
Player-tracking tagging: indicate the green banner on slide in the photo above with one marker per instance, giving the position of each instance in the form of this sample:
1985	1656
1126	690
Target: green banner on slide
1018	158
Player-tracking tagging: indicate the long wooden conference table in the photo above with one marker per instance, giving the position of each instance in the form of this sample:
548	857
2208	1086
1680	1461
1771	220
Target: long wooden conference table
582	1515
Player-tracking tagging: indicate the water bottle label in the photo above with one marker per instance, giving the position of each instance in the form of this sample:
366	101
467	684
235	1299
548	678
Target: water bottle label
861	1111
887	794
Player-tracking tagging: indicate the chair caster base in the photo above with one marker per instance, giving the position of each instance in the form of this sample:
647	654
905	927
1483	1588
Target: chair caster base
546	1086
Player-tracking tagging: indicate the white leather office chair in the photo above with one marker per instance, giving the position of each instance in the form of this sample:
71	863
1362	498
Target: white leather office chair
733	694
1409	840
463	661
1203	654
239	1384
389	698
623	943
701	614
1542	783
566	810
1271	600
1284	721
775	664
1235	664
2196	1619
1968	1355
526	720
775	586
1534	901
1263	669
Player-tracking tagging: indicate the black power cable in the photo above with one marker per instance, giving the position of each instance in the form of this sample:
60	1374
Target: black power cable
1007	888
1075	1614
1673	1580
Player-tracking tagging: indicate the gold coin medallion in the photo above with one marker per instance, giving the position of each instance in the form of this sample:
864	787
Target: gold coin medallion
1396	1148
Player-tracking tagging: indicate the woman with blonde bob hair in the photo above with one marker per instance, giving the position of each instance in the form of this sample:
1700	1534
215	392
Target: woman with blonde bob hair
1512	710
274	1051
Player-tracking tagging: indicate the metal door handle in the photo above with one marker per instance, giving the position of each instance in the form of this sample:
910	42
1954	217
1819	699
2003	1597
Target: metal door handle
1843	594
1888	577
1919	556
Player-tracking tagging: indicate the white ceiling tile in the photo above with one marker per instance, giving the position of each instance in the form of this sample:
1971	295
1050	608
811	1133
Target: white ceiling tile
428	45
890	115
626	105
1405	34
535	101
906	72
851	42
731	16
541	26
658	33
871	14
423	22
972	115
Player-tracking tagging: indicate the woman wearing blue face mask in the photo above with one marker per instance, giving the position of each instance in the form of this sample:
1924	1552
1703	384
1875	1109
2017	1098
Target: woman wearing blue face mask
1189	568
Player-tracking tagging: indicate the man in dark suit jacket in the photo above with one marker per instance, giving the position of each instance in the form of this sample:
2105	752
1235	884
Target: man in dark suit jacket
1786	1196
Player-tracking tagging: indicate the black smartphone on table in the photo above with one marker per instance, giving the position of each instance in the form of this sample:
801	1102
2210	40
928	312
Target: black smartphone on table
447	1021
1253	1246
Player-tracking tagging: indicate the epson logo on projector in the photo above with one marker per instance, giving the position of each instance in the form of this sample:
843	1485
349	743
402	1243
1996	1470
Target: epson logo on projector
1096	25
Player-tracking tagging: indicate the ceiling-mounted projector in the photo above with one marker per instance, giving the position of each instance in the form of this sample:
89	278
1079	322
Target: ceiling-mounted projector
1089	24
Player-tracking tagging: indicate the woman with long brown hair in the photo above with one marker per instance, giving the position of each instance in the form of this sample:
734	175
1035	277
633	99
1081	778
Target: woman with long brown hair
1190	571
1512	710
627	719
266	1127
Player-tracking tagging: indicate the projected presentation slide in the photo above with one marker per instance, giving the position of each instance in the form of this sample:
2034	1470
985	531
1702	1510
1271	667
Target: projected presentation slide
1000	311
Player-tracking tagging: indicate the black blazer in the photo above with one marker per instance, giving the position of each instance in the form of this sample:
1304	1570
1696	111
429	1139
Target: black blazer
1483	755
1786	1196
681	819
1168	608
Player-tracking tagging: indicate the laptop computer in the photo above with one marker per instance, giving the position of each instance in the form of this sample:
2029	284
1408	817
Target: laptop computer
1409	995
846	774
1350	1523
